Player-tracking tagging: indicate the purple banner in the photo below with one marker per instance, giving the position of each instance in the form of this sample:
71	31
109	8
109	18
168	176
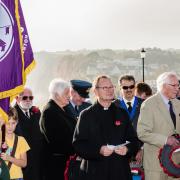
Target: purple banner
28	53
4	104
16	56
11	66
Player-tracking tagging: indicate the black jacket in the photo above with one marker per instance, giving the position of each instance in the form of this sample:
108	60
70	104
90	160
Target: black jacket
97	127
134	119
30	130
58	128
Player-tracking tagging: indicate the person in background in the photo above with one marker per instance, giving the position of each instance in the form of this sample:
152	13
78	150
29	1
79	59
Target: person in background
158	121
57	127
100	130
28	127
78	95
19	160
131	104
143	90
178	94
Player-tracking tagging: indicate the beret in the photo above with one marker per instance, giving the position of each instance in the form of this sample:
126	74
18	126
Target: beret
82	87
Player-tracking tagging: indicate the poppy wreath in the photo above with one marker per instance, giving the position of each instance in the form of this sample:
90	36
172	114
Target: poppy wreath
165	157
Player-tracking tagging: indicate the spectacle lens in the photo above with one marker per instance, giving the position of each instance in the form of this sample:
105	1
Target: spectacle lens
106	87
24	98
128	87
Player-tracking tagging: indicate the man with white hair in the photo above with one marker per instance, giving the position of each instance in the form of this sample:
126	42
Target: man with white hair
58	128
158	121
28	127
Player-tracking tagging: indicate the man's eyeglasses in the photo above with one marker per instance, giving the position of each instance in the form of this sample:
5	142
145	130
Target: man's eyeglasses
105	88
24	98
174	85
128	87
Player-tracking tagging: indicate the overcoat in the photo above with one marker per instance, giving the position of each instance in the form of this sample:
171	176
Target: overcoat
97	127
58	128
154	127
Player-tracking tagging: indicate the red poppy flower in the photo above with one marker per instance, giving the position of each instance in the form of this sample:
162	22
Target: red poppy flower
35	109
117	122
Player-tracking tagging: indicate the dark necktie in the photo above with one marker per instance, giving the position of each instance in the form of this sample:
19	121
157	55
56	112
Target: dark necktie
76	109
26	113
129	107
173	116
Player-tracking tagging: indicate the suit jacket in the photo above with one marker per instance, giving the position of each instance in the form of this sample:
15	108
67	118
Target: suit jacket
30	130
134	119
154	126
29	127
71	111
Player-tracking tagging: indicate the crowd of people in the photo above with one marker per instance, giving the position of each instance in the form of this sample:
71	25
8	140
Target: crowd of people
106	134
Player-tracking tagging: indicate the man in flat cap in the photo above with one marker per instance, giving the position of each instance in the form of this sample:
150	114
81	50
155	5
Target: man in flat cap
78	95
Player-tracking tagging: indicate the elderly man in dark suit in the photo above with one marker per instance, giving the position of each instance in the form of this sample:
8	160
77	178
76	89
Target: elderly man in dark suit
28	127
78	94
158	121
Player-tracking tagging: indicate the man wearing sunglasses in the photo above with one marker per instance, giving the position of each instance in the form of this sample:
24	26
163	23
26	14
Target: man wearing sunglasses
130	103
127	99
28	127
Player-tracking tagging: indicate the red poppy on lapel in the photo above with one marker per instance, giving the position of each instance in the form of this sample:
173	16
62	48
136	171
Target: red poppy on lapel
35	109
117	122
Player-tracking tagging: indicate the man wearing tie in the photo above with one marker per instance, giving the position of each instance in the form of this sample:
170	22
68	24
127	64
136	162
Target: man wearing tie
130	103
158	121
78	94
28	127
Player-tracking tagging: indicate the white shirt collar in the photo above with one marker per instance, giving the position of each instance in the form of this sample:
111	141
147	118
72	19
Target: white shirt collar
25	111
132	101
165	100
72	104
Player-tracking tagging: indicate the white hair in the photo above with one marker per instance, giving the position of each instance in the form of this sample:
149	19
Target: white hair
26	89
57	86
164	78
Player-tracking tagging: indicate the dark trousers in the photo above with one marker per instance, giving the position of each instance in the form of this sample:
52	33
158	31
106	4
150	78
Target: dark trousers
33	169
54	167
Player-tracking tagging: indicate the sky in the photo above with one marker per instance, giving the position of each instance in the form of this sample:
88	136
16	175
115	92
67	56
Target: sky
59	25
